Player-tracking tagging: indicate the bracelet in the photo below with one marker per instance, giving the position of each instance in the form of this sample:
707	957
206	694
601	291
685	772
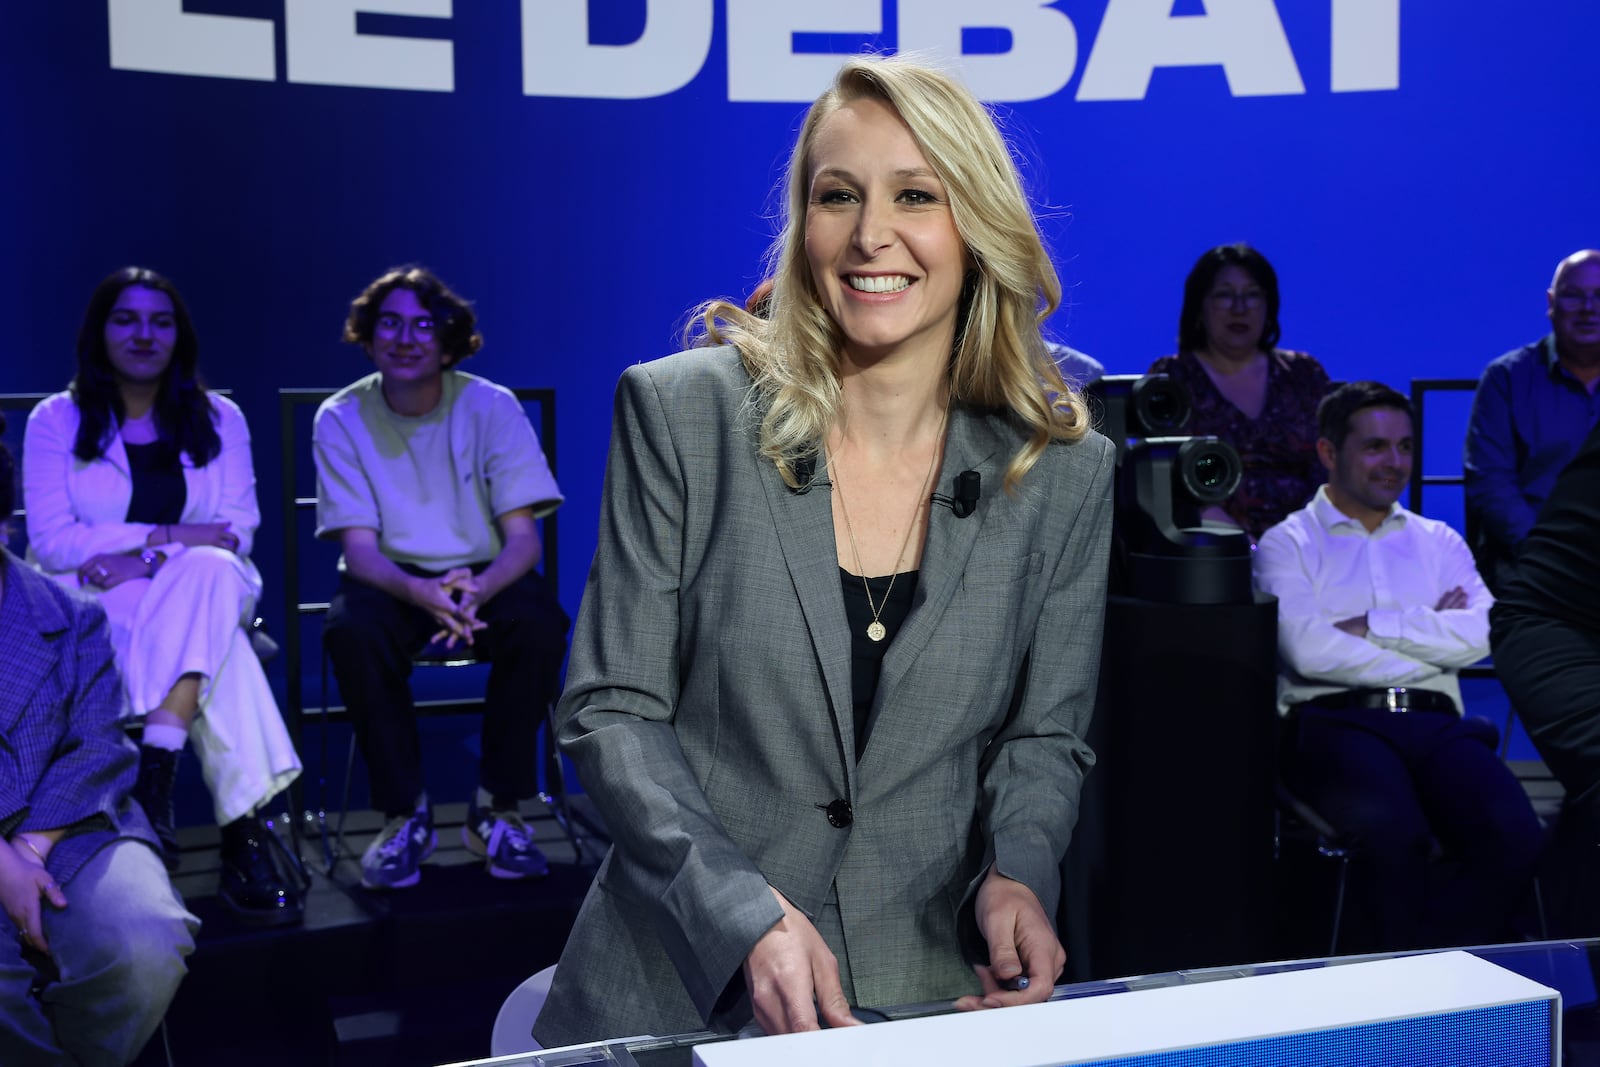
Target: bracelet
31	847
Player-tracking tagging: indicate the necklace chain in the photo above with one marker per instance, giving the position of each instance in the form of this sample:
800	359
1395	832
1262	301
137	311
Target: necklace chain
875	629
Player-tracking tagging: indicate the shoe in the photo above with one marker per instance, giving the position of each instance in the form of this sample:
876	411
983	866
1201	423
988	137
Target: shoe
505	841
394	859
158	771
251	885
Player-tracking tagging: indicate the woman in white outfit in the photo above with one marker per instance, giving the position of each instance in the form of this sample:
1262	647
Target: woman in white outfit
138	486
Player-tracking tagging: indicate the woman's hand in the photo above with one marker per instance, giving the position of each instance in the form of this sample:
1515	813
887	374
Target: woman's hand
23	883
793	977
1022	944
107	570
200	534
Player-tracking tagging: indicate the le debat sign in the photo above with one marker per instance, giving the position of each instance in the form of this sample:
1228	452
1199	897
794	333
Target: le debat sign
1246	38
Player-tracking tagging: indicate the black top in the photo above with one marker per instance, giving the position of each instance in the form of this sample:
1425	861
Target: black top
1558	566
159	492
866	655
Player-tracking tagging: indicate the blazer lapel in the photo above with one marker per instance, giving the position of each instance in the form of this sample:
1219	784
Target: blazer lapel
804	522
972	444
25	617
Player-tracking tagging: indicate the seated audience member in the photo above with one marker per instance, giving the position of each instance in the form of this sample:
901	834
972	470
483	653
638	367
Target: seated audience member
93	938
139	488
1533	408
1259	398
431	479
1546	638
1378	608
1079	368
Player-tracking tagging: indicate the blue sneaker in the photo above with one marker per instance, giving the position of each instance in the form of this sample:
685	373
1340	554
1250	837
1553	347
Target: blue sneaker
394	859
505	841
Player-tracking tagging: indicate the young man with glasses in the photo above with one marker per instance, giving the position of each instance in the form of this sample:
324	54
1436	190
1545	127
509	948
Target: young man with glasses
431	480
1533	408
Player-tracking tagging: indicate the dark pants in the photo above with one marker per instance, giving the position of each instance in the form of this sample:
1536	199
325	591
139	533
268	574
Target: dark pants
1551	671
1397	782
371	638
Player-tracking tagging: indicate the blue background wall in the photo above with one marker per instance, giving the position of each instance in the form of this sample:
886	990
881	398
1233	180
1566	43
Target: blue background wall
1414	228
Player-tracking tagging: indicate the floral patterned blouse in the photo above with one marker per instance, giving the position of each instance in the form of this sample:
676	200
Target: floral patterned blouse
1279	449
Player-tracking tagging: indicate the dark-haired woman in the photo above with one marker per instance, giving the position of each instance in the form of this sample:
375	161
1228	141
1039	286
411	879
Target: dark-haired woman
1259	398
139	487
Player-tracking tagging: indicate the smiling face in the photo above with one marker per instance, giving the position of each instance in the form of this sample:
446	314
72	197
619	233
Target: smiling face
1574	307
405	343
1367	474
140	333
885	257
1235	312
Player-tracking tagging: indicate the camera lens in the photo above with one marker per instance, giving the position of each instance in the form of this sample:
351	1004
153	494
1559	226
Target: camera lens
1160	405
1208	469
1162	408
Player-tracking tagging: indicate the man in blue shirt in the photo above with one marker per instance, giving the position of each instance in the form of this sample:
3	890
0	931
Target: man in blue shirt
1533	408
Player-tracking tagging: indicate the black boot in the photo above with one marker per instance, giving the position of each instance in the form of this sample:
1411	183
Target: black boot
251	885
158	770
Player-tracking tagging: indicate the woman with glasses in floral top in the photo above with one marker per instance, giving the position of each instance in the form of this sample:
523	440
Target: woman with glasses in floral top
1259	398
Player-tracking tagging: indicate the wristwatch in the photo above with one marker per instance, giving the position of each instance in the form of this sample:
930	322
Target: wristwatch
151	559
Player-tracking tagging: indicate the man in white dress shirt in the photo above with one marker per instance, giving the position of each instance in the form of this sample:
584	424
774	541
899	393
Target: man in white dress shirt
1378	608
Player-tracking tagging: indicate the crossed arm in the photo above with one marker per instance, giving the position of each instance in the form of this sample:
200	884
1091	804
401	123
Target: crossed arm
1381	646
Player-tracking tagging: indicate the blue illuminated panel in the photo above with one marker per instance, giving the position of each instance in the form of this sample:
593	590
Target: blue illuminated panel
1511	1035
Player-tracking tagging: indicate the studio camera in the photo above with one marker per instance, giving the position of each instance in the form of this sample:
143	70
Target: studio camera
1165	550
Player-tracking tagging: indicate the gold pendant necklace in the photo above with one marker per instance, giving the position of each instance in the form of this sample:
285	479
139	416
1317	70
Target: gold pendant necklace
876	631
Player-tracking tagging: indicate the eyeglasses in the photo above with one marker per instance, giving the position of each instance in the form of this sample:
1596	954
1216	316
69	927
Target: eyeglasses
391	325
1576	300
1227	298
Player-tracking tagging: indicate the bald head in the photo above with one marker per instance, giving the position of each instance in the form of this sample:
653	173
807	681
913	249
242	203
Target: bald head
1588	255
1574	310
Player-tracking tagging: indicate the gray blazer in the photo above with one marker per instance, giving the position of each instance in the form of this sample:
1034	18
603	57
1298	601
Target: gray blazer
708	709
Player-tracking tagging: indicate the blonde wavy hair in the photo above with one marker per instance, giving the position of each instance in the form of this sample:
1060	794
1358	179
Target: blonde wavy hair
999	361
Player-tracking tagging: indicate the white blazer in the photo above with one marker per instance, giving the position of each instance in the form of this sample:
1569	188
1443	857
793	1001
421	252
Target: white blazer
77	509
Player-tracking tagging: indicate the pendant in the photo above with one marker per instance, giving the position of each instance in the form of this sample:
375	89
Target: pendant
875	630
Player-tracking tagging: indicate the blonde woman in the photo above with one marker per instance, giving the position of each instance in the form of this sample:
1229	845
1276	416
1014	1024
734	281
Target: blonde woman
838	648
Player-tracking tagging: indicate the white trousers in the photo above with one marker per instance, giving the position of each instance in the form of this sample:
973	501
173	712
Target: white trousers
190	619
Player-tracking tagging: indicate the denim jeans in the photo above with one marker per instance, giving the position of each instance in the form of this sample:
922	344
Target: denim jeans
119	947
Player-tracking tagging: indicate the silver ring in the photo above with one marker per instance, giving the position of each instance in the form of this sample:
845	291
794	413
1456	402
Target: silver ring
101	572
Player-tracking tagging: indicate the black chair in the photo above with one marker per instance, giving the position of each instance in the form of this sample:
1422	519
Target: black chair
292	403
1295	821
1299	820
1421	390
